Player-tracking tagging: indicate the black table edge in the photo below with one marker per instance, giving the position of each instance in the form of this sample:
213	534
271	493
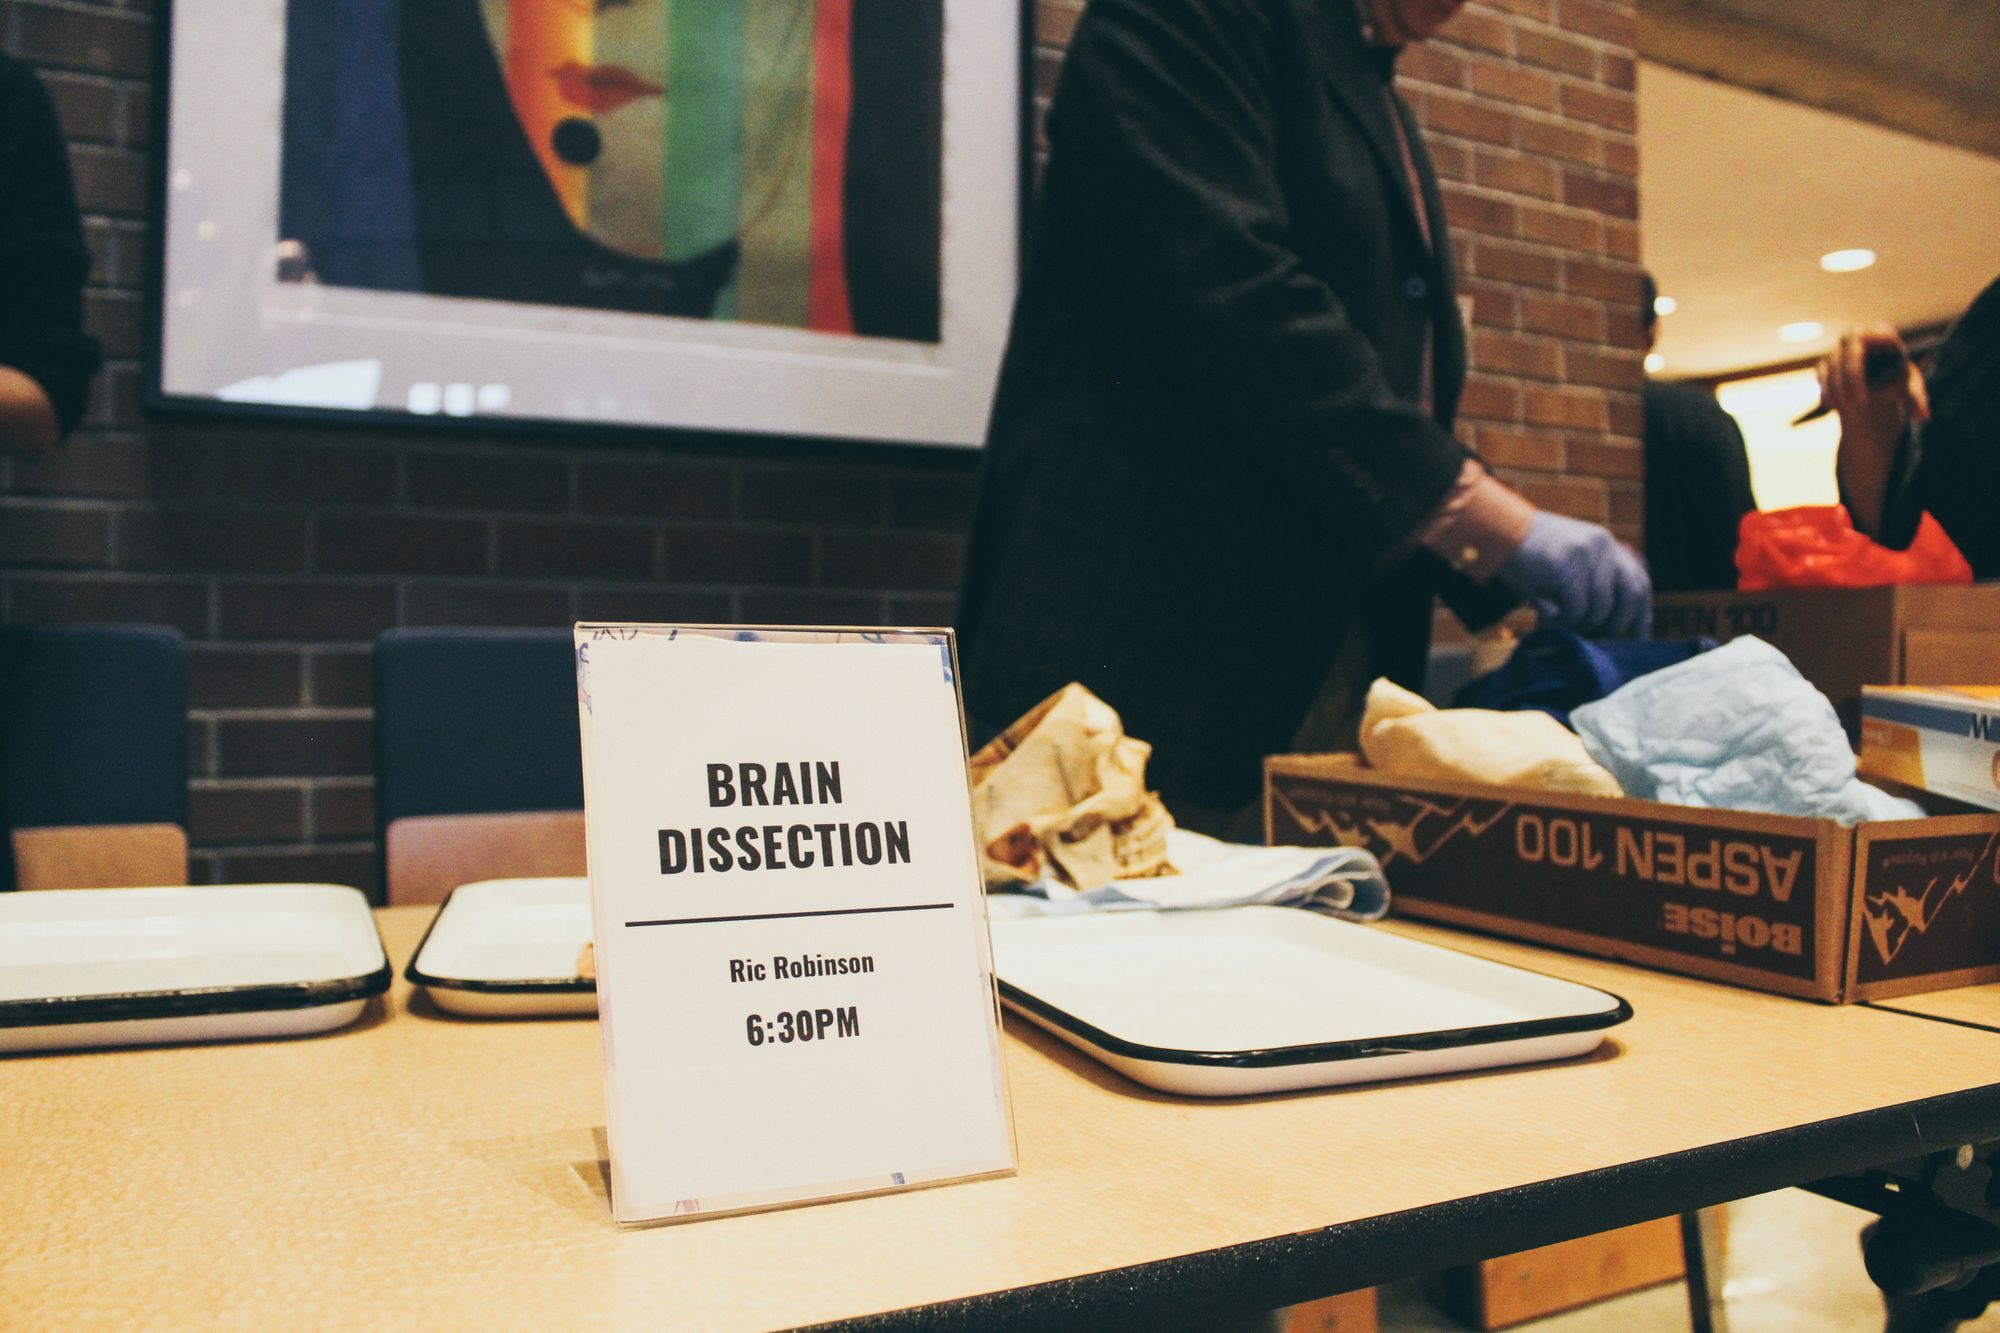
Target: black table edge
1891	1007
1285	1270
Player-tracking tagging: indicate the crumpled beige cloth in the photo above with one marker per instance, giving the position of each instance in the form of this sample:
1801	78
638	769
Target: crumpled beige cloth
1062	794
1403	734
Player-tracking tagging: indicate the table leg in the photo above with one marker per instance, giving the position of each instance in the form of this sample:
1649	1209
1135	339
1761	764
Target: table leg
1701	1244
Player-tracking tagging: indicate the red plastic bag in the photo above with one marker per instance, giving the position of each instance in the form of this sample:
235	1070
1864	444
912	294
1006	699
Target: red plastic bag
1816	546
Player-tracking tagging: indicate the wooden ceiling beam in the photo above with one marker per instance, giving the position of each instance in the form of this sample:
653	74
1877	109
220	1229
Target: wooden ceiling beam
1703	38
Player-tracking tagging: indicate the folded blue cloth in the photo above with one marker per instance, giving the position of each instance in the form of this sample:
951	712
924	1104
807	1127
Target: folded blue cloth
1556	670
1338	881
1734	729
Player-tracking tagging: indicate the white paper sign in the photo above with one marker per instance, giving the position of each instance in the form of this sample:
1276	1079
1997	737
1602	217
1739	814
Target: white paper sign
794	973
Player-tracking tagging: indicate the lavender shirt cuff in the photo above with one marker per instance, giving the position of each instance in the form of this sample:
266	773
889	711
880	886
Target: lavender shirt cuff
1479	525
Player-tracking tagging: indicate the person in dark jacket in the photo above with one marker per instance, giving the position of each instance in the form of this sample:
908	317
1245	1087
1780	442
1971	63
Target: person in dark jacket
1697	480
1221	488
46	358
1923	441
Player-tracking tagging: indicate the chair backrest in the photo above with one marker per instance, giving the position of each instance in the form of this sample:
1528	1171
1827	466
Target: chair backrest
430	855
473	722
93	728
100	856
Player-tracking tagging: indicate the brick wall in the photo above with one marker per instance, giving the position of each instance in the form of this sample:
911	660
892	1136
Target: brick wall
281	550
1532	120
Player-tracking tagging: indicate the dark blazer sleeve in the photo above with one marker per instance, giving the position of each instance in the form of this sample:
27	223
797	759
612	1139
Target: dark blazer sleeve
43	262
1169	127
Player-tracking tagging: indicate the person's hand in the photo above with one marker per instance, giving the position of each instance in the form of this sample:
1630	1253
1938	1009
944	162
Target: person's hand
1872	416
27	418
1579	576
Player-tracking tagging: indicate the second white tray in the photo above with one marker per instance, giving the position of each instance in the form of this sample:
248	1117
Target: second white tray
507	948
1265	999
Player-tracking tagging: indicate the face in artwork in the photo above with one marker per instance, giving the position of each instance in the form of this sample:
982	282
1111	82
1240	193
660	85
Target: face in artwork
770	162
587	79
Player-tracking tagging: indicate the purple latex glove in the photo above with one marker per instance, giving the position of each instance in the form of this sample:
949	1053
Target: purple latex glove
1578	576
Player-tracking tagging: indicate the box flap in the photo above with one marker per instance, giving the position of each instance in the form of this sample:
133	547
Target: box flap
1924	905
1947	605
1350	767
1950	657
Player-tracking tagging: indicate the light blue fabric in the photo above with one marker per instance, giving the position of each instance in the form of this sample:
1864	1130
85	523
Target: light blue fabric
1338	881
1733	729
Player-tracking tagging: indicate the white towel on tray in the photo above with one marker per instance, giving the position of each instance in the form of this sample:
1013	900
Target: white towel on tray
1339	881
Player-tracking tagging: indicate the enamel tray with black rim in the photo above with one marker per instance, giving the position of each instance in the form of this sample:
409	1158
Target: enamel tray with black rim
508	948
130	967
1266	999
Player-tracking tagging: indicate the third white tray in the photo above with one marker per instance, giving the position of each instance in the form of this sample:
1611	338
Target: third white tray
1264	999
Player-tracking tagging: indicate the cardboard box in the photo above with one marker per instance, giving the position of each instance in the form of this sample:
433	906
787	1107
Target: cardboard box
1514	1288
1844	638
1942	739
1781	903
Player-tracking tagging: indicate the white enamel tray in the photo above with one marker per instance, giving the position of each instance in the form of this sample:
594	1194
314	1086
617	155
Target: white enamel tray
1264	999
129	967
506	948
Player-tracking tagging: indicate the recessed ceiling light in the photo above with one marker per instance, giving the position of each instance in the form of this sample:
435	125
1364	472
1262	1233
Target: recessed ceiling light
1655	363
1665	305
1846	261
1802	332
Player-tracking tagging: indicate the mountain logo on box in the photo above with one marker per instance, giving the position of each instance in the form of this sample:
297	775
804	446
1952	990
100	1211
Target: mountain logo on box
1429	825
1898	916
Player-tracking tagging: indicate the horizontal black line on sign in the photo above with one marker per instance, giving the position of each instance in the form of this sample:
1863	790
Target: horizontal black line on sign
781	916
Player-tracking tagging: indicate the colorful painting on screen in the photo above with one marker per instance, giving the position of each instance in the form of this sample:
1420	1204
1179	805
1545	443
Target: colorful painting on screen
771	162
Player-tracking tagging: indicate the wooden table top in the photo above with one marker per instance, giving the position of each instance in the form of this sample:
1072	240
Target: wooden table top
421	1170
1977	1006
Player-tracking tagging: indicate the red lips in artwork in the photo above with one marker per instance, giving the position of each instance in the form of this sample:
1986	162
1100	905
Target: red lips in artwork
601	88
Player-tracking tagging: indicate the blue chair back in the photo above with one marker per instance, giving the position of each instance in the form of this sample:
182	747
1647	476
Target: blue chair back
475	721
93	727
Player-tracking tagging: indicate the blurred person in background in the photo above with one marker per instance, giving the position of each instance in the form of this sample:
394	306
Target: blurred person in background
46	358
1697	478
1221	488
1912	441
